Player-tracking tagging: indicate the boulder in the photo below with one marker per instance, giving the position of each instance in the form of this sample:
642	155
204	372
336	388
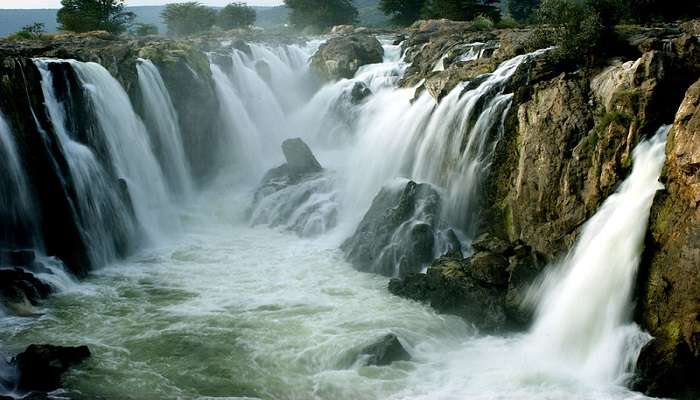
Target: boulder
669	298
385	351
21	290
17	258
397	235
40	367
299	157
359	92
297	195
485	289
342	56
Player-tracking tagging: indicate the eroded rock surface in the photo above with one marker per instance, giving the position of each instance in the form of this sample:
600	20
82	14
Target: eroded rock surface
342	56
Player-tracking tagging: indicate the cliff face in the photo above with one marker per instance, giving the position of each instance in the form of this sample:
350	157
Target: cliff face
669	300
566	146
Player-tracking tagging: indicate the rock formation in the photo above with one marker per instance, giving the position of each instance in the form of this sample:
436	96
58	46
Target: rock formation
342	56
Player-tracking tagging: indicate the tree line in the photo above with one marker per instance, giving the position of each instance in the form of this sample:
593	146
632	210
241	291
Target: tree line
583	23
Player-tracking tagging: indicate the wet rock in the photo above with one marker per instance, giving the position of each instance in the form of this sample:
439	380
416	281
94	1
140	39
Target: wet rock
669	273
263	69
298	195
299	157
397	234
41	366
241	45
20	290
359	92
489	242
341	57
489	268
16	258
384	352
485	289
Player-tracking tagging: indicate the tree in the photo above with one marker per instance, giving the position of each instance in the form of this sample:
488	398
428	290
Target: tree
94	15
144	29
188	18
522	10
664	10
402	12
236	15
321	13
462	10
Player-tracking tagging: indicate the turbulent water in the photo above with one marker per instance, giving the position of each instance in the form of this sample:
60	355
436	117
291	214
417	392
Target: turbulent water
224	309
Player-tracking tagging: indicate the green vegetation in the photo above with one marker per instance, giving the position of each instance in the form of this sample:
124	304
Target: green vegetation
144	29
188	18
30	32
236	15
94	15
481	23
522	10
321	13
581	31
405	12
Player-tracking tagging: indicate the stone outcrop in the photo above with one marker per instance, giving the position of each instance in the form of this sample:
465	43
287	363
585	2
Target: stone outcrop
397	235
298	194
385	351
40	367
341	57
486	288
669	299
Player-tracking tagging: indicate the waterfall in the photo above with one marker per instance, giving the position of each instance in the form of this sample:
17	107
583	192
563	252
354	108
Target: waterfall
162	120
129	148
104	216
449	144
583	317
19	222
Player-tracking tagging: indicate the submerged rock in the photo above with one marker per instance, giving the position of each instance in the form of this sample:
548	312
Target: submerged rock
385	351
41	367
359	92
341	57
397	235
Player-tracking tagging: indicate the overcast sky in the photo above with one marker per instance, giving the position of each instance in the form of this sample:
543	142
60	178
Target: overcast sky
57	3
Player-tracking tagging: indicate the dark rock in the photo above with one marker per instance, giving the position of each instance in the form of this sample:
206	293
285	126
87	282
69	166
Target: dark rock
41	366
413	286
490	243
17	258
239	44
669	279
384	352
397	234
299	157
263	69
359	92
489	268
341	57
19	289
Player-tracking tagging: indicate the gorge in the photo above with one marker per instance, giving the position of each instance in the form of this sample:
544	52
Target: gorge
221	217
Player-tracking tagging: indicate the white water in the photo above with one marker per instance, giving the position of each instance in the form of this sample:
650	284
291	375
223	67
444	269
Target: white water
129	149
230	311
15	197
101	209
584	312
164	127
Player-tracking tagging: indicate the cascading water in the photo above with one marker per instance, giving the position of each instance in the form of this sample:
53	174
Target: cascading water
252	312
104	217
18	219
129	149
584	311
164	126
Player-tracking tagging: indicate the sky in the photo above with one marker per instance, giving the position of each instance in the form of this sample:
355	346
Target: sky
57	3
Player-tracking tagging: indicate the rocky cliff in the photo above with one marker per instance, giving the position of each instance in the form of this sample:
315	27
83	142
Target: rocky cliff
567	144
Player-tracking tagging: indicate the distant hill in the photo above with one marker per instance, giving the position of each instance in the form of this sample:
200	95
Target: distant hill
13	20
